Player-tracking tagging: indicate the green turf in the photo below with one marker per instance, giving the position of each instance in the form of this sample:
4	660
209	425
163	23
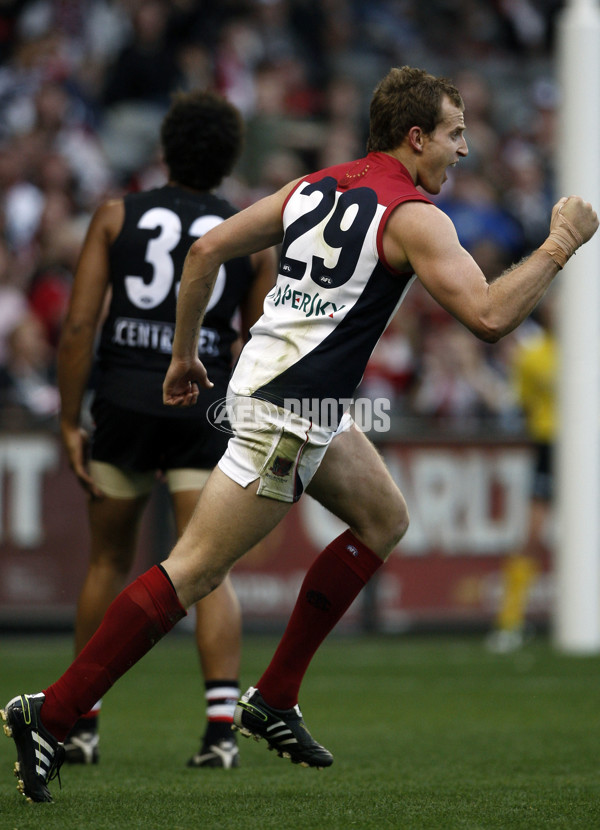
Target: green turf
426	733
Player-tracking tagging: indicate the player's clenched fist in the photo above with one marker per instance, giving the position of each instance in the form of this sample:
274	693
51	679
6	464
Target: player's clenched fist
573	223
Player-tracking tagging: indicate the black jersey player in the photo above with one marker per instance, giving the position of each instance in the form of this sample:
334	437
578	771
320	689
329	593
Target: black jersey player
129	268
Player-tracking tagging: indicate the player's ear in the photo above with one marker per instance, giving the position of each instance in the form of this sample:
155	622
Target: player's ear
415	139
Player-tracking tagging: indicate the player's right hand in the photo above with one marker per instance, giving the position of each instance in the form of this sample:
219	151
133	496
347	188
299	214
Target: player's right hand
183	381
76	442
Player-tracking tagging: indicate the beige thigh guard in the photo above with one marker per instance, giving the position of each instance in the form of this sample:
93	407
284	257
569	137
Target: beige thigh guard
120	484
123	484
184	479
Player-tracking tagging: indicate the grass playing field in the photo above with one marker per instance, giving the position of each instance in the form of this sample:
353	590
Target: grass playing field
426	733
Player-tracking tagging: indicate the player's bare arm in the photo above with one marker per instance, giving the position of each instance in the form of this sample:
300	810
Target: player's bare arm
257	227
423	237
76	347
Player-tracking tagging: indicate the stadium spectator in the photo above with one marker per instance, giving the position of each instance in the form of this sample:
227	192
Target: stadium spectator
272	127
137	86
145	69
477	216
59	244
457	384
392	371
13	303
27	377
58	128
135	436
352	237
527	193
22	200
27	358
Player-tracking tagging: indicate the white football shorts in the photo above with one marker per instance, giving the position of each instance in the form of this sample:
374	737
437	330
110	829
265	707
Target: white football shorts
275	445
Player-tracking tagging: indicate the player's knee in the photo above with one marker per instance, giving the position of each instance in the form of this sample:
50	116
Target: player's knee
112	560
402	522
399	521
385	525
204	579
194	573
391	525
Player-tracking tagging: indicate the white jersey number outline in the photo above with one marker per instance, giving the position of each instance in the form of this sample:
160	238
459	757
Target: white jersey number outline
345	231
158	254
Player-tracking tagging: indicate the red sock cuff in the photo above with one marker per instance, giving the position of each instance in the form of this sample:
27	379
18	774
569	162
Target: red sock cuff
153	591
356	555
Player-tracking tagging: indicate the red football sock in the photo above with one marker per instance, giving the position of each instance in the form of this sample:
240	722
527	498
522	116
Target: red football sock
331	584
142	613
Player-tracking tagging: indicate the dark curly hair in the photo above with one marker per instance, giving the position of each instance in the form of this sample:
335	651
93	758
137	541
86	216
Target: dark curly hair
201	137
405	98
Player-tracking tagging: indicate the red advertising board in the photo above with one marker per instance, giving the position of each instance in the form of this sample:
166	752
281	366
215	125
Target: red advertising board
468	508
44	539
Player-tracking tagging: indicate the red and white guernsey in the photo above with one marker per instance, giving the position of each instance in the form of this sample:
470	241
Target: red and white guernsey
335	294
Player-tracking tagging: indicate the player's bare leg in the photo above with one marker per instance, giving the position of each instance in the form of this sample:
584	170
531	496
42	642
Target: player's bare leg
218	631
353	482
209	547
227	522
114	526
356	486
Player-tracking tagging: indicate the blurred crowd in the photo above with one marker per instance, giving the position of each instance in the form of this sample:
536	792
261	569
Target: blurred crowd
84	85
